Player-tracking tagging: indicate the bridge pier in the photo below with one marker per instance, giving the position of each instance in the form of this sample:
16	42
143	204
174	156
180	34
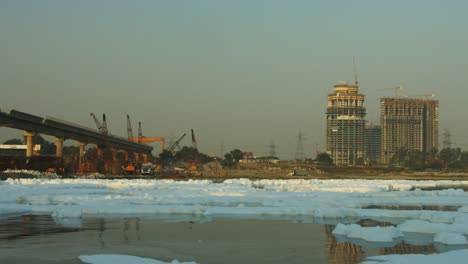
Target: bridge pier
99	152
82	151
137	157
29	143
114	154
145	158
58	147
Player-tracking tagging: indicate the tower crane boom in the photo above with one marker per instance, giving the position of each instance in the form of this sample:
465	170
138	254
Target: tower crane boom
176	144
140	133
194	141
101	127
129	128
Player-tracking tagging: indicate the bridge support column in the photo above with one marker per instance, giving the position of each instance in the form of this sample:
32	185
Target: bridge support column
29	143
58	146
82	151
126	156
99	152
137	157
145	158
114	154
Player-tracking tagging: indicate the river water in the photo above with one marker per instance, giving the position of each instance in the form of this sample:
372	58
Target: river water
38	239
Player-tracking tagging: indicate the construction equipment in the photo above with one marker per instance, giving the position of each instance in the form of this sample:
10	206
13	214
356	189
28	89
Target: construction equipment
425	96
194	141
142	140
397	91
130	169
147	169
129	128
355	72
176	144
140	133
101	127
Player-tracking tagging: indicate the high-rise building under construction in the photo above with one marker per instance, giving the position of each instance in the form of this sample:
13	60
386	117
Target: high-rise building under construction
408	123
346	125
372	137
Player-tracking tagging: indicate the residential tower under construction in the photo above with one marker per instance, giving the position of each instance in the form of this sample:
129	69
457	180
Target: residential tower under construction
346	125
408	123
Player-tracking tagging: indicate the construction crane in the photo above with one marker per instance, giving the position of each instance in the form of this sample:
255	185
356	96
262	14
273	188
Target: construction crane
141	139
427	96
396	90
355	72
149	140
140	133
101	127
176	144
194	141
129	128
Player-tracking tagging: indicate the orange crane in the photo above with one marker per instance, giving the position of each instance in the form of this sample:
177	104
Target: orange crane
141	139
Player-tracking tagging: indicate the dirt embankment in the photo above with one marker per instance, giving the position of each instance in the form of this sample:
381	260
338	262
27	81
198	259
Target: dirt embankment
282	171
214	171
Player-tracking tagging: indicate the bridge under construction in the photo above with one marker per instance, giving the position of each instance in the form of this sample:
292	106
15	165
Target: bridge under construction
62	130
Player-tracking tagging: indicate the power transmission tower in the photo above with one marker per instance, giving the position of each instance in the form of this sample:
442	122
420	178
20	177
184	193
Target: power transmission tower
272	149
447	143
300	155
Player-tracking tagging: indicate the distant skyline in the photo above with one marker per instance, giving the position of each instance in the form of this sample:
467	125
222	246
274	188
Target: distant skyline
240	73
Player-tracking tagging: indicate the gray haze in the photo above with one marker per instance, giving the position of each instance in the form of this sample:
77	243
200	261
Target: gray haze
239	72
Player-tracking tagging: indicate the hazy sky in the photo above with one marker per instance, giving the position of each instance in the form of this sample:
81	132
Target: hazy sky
239	72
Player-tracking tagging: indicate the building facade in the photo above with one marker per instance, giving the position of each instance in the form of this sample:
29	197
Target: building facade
372	139
408	123
346	125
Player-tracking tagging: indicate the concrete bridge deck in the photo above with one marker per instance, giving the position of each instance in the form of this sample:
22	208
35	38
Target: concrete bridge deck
63	130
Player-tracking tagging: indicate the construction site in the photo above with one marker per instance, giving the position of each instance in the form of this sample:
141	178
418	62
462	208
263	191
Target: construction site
97	151
408	123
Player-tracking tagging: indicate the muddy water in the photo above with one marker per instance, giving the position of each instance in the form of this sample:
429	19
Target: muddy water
37	239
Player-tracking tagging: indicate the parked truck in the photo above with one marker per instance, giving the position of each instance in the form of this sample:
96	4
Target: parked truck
147	168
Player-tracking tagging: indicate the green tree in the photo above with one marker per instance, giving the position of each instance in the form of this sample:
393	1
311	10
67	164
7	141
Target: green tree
464	158
13	141
324	159
192	154
47	148
228	161
452	157
416	161
232	158
237	155
400	158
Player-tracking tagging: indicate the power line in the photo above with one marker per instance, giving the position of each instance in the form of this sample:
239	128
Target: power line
300	155
272	149
447	143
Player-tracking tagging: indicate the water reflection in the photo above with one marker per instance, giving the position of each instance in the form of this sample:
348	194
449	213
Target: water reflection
24	226
342	253
292	241
346	252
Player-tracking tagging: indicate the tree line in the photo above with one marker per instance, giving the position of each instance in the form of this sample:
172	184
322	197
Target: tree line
447	158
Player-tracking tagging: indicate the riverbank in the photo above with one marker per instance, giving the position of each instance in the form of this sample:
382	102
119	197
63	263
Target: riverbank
259	174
